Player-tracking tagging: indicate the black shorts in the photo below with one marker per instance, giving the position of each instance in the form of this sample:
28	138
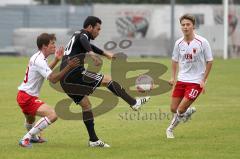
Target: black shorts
81	83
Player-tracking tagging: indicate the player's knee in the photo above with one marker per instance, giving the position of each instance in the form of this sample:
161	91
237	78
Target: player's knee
52	116
55	117
86	107
107	79
181	110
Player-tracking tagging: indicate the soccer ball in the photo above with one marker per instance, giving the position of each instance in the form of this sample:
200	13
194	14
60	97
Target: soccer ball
144	83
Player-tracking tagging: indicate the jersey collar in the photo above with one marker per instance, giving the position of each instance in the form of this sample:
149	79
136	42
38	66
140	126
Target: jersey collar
42	55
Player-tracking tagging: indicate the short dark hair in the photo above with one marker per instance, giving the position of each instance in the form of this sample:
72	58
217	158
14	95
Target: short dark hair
188	17
91	20
44	39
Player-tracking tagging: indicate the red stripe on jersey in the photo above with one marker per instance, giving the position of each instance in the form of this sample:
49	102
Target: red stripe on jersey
199	40
180	42
36	57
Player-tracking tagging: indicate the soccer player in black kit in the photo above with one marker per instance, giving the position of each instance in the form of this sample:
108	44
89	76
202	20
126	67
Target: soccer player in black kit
80	46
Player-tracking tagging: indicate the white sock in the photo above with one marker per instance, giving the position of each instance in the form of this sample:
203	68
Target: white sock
29	127
188	112
39	126
175	121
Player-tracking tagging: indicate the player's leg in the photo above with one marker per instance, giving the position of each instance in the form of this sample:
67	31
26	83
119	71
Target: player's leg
23	100
190	91
88	120
177	96
183	107
48	116
175	120
180	115
191	94
185	110
29	123
118	90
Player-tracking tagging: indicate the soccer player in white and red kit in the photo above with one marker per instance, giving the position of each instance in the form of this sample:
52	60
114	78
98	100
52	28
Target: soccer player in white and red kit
27	98
192	58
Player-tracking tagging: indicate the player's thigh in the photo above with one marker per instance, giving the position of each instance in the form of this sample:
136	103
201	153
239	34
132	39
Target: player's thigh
85	103
177	95
45	110
185	104
106	79
175	103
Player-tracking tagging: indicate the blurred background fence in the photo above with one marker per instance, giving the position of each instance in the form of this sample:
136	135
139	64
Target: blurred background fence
148	26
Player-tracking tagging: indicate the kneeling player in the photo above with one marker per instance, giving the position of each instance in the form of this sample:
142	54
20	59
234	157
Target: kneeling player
27	97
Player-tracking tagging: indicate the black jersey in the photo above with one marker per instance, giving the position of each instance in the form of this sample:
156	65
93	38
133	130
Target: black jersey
78	46
86	81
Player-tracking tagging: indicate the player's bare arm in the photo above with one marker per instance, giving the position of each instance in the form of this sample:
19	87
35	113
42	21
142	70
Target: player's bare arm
207	71
172	81
72	63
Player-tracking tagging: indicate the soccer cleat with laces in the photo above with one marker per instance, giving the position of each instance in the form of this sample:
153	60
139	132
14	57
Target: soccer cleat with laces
140	102
25	143
98	143
169	134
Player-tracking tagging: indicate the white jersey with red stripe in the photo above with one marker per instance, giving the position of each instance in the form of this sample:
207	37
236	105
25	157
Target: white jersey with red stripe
192	58
37	70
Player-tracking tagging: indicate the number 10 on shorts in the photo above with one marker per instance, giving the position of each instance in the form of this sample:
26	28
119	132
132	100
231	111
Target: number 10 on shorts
193	94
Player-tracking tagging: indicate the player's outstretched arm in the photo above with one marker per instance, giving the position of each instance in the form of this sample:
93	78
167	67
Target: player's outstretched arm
58	56
72	63
107	54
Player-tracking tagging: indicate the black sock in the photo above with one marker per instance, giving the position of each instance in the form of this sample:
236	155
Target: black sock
89	123
119	91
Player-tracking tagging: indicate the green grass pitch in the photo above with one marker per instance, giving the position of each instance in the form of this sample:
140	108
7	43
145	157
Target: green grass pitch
212	133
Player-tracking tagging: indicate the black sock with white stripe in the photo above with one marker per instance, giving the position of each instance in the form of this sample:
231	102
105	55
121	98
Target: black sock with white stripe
89	123
120	92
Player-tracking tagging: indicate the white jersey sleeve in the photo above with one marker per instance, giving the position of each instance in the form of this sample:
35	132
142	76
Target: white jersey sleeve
43	68
175	53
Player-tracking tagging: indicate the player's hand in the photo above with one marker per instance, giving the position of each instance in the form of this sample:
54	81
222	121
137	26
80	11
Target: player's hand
110	55
203	86
59	53
74	62
172	81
